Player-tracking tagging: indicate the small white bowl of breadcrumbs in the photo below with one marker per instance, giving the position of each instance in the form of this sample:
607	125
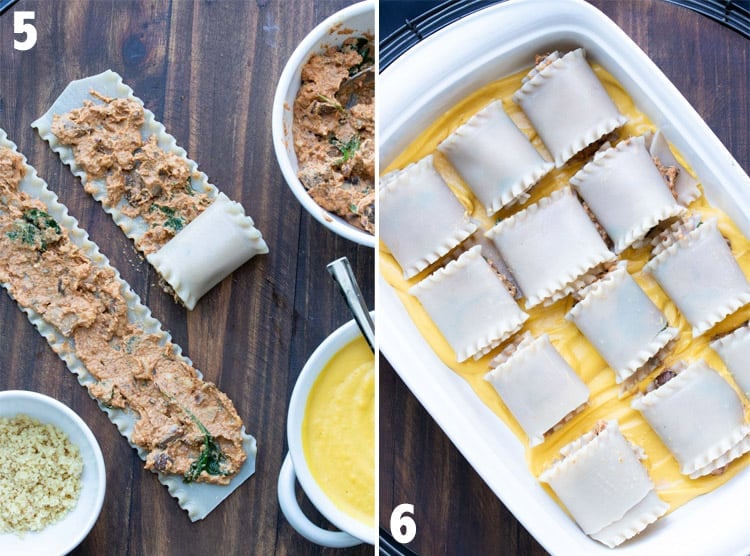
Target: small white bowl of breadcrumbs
52	477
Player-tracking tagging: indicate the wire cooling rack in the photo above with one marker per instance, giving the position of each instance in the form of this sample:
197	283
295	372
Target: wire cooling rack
732	13
5	4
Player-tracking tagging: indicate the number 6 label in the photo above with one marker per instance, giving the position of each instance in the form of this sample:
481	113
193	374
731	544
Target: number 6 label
403	527
22	27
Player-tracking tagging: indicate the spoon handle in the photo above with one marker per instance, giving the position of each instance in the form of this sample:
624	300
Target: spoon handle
342	273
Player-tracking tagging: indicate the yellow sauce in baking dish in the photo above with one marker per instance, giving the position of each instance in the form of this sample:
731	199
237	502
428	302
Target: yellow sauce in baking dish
605	401
338	431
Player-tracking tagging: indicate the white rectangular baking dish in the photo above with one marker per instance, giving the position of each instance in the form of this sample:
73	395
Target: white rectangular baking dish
412	93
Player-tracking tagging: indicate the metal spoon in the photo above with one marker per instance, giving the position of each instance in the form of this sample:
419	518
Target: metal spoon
341	271
349	89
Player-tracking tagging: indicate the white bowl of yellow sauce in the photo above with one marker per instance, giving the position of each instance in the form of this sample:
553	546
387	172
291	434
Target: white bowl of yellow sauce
331	436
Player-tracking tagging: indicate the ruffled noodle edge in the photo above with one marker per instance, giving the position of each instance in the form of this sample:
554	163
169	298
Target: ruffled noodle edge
642	228
585	443
517	192
741	447
635	520
680	235
630	373
520	343
737	335
674	232
197	499
604	154
520	218
493	338
458	236
573	281
721	312
544	62
527	347
599	289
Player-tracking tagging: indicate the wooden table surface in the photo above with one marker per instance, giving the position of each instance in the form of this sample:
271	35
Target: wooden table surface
208	70
456	512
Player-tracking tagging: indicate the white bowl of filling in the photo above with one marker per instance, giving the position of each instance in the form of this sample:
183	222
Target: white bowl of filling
325	144
52	476
331	437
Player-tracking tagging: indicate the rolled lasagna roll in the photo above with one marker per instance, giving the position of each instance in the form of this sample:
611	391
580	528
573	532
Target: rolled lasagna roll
550	247
420	218
191	265
626	192
127	161
537	385
698	416
684	186
734	350
470	305
601	481
695	267
567	105
495	159
622	323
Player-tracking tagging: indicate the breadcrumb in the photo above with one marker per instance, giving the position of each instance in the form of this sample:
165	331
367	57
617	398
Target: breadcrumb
40	474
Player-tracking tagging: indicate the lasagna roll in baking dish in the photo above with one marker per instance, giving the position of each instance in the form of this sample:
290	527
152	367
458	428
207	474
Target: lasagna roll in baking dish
698	416
734	350
626	192
695	267
622	323
537	385
470	305
551	247
601	481
567	105
420	217
495	159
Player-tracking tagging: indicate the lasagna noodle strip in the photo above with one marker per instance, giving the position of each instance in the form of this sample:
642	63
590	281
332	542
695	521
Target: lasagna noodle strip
118	316
137	177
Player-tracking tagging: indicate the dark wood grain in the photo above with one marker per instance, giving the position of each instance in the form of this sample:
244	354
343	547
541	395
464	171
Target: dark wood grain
208	70
456	512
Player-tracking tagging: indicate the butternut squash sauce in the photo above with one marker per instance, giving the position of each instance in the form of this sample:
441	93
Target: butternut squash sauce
338	431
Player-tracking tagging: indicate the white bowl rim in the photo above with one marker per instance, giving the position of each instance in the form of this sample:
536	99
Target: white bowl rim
341	337
298	57
99	471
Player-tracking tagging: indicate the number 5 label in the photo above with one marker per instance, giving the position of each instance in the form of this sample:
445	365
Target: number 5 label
403	527
22	27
